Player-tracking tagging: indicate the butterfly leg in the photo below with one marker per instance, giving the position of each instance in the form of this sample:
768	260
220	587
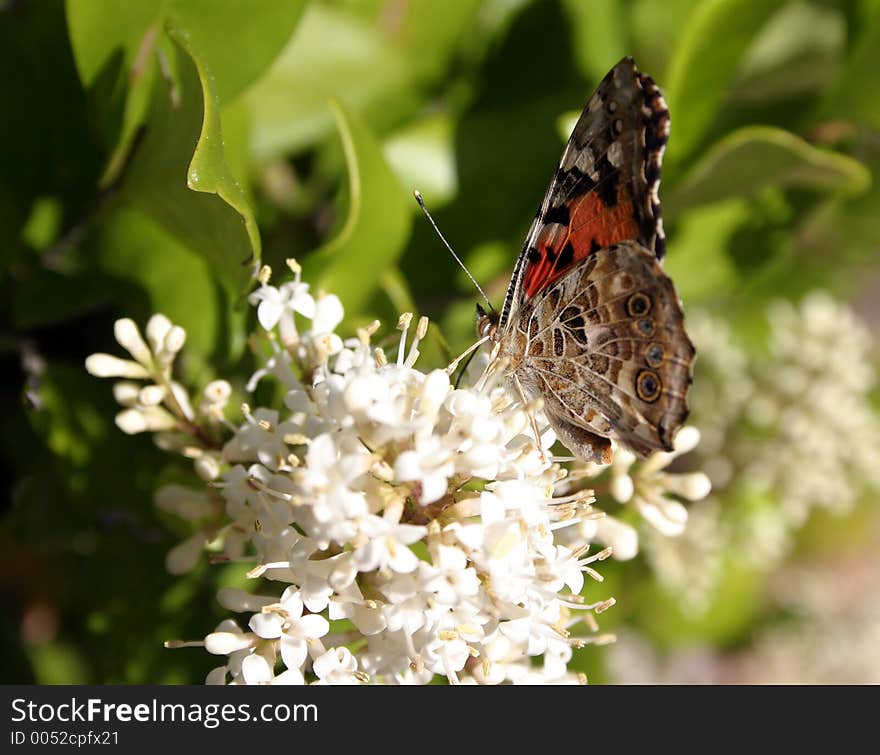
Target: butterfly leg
453	365
532	421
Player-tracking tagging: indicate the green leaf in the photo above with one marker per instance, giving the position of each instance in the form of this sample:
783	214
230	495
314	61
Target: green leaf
706	62
237	41
655	28
115	42
180	178
853	97
394	286
431	32
423	156
47	137
99	30
379	219
755	157
376	64
290	104
698	261
178	283
796	52
114	45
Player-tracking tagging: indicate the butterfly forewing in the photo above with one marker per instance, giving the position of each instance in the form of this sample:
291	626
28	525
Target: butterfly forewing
605	188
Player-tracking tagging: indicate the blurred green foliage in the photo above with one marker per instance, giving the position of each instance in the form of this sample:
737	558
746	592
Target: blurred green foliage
152	153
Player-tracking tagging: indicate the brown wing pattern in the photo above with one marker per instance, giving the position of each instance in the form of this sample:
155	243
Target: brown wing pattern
605	188
605	346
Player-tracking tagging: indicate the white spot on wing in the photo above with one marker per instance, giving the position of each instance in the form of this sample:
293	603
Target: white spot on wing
585	163
615	154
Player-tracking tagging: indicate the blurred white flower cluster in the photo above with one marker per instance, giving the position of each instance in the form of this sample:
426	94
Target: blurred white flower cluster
823	629
785	431
722	389
824	445
415	529
796	423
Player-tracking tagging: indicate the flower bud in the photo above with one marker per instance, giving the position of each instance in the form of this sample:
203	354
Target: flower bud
105	365
131	421
151	395
157	328
224	643
183	557
129	337
126	392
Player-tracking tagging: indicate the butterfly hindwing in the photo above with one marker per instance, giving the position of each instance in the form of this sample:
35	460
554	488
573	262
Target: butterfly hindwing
607	348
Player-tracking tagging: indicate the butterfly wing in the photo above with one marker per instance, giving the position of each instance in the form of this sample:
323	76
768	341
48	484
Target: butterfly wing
605	188
608	352
591	322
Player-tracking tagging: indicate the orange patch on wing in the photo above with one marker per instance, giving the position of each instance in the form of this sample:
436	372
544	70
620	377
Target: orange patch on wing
594	221
593	225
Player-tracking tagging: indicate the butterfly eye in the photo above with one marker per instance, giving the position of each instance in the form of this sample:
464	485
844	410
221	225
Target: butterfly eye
648	385
487	324
638	304
654	355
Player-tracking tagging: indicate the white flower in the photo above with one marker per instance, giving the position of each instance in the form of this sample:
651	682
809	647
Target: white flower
215	396
452	579
336	666
106	365
649	489
262	438
328	314
425	516
287	623
431	464
386	545
407	606
622	538
824	436
256	498
273	304
255	669
162	405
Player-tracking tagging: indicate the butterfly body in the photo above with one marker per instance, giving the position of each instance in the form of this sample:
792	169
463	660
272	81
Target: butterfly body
591	323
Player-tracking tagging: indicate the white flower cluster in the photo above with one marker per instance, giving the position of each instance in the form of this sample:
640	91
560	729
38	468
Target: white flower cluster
416	529
650	489
676	534
796	424
722	388
825	445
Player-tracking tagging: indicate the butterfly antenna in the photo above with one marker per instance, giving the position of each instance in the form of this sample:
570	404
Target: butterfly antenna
418	195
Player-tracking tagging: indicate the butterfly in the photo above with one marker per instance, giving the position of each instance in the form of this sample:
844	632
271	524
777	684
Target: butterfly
591	323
